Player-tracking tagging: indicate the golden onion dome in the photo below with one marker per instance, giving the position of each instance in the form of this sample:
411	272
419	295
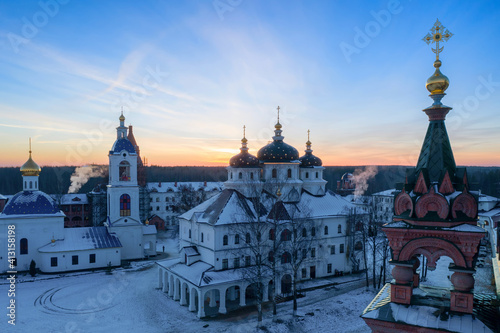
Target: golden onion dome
278	126
122	117
437	83
30	168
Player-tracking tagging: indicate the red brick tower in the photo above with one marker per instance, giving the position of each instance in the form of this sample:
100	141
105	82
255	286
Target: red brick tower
435	216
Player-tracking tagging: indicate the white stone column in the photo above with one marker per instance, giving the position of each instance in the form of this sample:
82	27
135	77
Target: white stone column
171	286
201	304
222	300
242	296
176	290
183	295
192	299
265	296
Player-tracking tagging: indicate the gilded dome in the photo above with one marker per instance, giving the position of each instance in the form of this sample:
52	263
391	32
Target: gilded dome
437	83
30	168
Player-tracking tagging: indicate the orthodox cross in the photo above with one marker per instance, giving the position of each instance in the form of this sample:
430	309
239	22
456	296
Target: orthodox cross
244	130
278	113
437	35
308	131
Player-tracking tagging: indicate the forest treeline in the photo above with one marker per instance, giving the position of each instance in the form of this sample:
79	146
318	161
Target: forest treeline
56	180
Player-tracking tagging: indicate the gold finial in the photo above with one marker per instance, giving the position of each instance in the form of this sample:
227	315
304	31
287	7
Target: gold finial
122	117
308	141
30	147
437	83
278	192
244	140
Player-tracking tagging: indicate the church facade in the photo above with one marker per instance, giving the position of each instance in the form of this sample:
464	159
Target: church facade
269	202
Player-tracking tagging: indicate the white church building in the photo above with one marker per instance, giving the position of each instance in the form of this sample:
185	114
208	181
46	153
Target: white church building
217	238
32	221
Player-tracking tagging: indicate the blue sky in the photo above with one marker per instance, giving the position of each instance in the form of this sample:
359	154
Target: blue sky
190	74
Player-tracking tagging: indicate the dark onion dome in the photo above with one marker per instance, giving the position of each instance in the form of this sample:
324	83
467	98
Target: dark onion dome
30	202
123	144
309	160
278	151
244	159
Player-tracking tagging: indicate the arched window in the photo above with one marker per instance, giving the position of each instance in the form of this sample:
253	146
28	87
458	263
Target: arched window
189	233
24	246
240	175
202	237
247	238
158	199
124	171
274	173
289	173
231	175
125	205
236	239
317	174
286	258
271	234
225	240
25	184
304	232
31	184
271	256
313	231
307	174
340	228
286	235
36	185
251	175
326	230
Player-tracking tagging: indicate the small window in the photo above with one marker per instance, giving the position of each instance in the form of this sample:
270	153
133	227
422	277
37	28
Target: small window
157	199
248	260
341	248
286	258
332	249
313	252
326	230
240	176
251	175
304	273
339	228
329	268
286	235
189	234
307	174
53	262
225	240
74	260
236	262
31	184
289	173
274	173
24	246
304	232
313	231
224	263
92	258
247	238
236	239
202	237
271	234
304	253
317	174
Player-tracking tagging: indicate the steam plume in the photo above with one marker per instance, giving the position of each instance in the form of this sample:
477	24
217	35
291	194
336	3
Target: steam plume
361	178
82	175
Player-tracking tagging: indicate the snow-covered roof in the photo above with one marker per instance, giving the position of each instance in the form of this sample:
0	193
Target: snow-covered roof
71	199
31	203
381	308
149	229
330	204
191	251
163	187
192	273
78	239
386	193
2	197
484	197
461	228
491	213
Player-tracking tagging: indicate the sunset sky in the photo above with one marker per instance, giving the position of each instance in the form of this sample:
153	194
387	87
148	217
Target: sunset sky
190	74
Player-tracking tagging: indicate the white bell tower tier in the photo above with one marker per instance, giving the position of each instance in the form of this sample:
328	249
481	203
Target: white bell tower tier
123	195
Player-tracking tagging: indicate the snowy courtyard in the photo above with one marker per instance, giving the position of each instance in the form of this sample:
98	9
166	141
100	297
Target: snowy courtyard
128	300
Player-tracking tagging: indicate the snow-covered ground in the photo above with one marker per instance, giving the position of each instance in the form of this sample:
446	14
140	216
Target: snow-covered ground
128	300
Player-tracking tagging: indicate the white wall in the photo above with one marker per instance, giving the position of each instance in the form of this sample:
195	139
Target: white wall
65	260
